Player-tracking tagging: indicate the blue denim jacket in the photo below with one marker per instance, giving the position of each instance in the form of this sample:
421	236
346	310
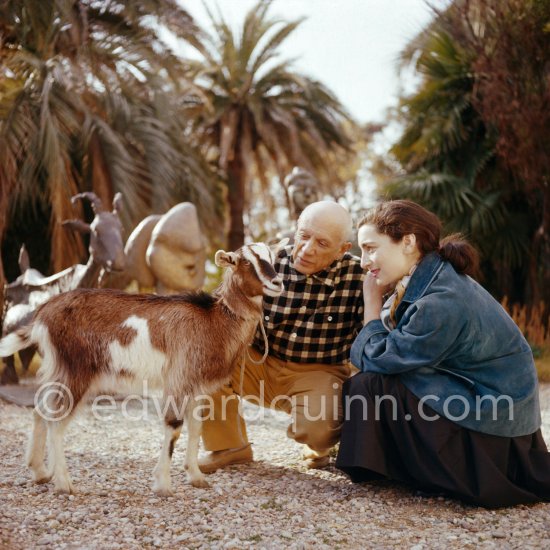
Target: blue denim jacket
458	351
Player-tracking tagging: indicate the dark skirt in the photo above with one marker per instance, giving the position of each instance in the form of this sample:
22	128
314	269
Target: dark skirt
435	456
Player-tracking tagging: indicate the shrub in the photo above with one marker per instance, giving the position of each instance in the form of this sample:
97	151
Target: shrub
534	323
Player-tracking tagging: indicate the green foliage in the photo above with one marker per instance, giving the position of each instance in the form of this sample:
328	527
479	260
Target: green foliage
91	99
450	157
259	117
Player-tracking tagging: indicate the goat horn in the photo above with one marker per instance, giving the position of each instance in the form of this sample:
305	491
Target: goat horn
97	205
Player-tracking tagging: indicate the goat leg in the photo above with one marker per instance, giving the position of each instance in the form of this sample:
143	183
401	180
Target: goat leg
162	484
56	409
194	425
61	478
36	450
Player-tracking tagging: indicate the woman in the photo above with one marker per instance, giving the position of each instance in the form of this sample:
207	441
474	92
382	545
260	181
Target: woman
447	399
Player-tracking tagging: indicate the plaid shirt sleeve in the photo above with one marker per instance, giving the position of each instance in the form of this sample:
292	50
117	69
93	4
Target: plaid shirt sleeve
317	317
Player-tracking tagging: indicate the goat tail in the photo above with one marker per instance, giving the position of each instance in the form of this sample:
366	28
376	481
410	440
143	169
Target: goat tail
13	342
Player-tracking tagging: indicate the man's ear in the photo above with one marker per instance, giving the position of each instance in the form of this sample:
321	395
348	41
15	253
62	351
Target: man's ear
409	243
225	259
345	248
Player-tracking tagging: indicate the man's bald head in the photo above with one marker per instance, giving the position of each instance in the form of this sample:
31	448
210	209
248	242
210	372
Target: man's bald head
322	236
332	215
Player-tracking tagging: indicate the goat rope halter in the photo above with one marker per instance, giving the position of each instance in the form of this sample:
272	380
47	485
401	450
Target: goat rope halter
266	347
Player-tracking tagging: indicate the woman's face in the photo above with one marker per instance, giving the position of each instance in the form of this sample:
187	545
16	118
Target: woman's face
386	260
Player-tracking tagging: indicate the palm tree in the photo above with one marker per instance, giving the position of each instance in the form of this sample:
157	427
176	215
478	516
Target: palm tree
92	99
449	161
260	117
510	39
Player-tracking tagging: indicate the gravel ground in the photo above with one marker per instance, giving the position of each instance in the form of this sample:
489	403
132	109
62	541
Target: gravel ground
272	503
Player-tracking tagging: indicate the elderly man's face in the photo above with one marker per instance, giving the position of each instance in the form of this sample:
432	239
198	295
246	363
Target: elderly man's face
317	243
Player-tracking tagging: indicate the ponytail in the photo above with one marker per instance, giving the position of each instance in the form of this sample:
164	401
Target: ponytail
460	254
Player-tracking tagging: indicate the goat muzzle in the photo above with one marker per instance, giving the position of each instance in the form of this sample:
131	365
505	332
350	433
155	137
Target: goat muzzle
274	288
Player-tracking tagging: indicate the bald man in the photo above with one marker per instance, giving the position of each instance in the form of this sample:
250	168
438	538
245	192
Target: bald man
310	328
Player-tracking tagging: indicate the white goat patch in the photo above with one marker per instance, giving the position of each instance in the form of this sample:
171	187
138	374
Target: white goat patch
263	253
139	357
41	336
260	256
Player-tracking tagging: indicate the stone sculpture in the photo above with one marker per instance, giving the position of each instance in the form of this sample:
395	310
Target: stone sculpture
31	288
168	252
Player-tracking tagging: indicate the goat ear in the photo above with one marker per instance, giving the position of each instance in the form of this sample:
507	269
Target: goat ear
225	259
117	203
76	225
277	246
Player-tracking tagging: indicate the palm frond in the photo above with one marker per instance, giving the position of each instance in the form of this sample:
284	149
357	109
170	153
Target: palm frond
92	99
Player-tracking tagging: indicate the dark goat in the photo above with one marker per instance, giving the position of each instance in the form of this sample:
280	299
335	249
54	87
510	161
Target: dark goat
31	288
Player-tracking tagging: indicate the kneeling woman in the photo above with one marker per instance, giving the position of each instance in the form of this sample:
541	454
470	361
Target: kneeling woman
447	399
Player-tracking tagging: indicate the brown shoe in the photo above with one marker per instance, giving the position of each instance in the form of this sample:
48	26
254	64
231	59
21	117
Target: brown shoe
317	463
220	459
315	460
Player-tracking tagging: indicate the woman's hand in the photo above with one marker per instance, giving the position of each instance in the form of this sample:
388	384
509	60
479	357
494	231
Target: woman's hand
373	298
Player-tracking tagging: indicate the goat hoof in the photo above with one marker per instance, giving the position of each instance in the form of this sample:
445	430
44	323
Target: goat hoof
64	490
43	479
164	492
201	483
41	475
67	489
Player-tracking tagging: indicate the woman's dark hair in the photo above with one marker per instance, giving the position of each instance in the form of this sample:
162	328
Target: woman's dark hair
403	217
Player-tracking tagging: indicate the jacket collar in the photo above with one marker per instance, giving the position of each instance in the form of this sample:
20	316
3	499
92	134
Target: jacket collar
423	275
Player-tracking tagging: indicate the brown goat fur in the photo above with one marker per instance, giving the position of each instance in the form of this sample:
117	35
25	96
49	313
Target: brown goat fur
188	345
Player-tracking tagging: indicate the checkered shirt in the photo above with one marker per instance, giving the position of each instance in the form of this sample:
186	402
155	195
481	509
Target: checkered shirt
317	317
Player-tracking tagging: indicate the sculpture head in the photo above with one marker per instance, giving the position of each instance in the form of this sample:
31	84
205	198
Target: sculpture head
303	189
106	246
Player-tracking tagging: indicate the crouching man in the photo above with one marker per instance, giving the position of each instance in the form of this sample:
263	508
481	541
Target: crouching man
310	328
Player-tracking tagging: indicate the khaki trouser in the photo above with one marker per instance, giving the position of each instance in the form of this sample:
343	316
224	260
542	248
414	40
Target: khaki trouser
309	392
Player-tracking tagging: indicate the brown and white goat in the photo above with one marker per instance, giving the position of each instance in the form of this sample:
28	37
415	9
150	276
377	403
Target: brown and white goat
186	344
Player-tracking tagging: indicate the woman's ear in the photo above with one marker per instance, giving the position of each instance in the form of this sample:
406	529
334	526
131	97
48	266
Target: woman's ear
409	244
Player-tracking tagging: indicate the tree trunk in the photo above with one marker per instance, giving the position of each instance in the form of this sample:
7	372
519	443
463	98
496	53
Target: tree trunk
235	197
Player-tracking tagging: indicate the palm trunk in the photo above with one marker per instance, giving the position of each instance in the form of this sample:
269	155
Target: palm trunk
235	197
